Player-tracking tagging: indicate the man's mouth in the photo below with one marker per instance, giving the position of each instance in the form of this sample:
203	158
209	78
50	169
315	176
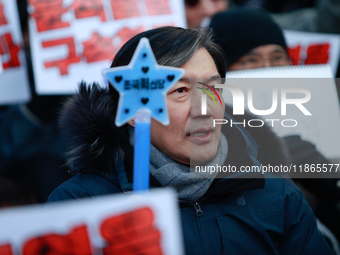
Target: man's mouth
201	132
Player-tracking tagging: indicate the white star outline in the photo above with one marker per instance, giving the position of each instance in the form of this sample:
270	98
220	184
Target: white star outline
131	100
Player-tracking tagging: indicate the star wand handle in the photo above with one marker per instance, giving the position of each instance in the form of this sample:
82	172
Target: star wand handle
143	86
141	160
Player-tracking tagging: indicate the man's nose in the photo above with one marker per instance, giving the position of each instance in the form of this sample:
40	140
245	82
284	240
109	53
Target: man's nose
199	106
266	63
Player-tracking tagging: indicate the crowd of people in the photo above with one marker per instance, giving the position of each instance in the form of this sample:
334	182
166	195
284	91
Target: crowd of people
241	35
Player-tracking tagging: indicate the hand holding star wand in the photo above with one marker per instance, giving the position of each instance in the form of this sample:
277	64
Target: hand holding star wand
142	87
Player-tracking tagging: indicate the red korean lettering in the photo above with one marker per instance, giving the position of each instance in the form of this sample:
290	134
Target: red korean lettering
47	14
3	20
6	249
123	9
126	33
88	8
98	48
157	7
62	64
317	54
294	54
75	243
132	233
79	241
8	48
49	244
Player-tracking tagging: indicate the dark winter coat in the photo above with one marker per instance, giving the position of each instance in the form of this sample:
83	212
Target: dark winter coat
259	215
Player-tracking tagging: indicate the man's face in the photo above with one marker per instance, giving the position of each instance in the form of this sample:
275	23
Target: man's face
262	56
190	138
197	10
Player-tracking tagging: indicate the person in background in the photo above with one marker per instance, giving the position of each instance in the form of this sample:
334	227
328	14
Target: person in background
221	214
250	39
197	11
254	40
301	15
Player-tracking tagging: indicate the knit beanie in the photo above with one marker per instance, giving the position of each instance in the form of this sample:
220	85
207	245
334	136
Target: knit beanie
239	30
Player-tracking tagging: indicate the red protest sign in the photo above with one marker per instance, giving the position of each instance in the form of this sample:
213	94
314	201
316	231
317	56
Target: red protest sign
6	249
98	28
157	7
118	224
306	48
294	54
88	8
14	83
8	47
131	232
126	33
47	14
3	20
123	9
75	243
62	64
317	54
98	48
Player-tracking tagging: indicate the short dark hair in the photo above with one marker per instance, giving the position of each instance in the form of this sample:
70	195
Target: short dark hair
174	46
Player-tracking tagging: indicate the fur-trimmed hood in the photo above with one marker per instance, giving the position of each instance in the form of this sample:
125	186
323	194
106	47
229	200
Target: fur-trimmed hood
88	121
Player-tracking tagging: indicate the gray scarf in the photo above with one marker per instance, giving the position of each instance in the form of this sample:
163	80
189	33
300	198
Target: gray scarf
190	186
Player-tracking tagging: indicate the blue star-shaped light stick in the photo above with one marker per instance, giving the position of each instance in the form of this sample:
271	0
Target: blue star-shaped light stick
142	87
143	84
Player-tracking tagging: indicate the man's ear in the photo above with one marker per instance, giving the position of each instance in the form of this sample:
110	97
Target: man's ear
131	122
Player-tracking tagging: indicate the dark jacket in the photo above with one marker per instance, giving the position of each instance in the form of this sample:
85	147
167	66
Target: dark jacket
258	215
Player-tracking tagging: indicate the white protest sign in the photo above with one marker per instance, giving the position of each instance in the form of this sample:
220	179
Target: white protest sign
305	48
106	225
14	84
321	127
74	40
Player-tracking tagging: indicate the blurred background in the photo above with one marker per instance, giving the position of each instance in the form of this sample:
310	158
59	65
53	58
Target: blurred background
47	47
